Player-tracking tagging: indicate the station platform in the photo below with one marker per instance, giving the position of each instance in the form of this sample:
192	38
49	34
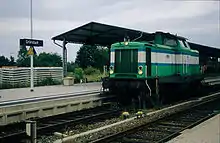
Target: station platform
18	94
206	132
17	105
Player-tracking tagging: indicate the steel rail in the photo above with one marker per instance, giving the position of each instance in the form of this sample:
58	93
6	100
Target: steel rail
56	122
166	128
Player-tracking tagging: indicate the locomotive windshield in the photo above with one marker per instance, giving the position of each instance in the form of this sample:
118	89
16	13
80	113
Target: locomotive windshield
126	60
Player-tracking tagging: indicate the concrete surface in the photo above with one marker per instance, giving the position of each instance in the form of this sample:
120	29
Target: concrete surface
45	108
206	132
20	104
45	91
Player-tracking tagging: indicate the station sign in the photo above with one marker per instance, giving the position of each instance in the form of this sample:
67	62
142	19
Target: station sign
31	42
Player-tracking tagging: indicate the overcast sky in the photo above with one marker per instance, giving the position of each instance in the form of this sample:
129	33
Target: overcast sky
197	20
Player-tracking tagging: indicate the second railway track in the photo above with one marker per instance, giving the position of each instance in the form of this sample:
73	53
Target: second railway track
166	128
46	126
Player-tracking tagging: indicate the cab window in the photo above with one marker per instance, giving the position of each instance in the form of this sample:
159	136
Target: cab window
170	42
181	43
184	44
187	44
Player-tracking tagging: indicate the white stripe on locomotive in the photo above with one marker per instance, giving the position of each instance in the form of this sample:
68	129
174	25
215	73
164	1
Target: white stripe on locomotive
165	58
112	57
141	56
168	58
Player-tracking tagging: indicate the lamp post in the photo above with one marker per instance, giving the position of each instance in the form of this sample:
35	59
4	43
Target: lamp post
31	56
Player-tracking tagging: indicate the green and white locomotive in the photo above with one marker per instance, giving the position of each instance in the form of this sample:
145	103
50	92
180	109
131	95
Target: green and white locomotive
147	69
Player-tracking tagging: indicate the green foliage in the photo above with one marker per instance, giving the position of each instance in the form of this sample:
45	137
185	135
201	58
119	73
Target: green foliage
4	61
78	74
93	78
7	85
12	61
85	56
70	74
41	60
92	56
91	71
101	57
48	60
70	66
48	81
23	59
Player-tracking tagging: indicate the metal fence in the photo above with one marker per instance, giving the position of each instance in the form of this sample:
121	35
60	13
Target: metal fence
21	75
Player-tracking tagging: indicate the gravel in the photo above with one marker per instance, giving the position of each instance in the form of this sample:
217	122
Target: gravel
47	139
109	131
129	125
79	128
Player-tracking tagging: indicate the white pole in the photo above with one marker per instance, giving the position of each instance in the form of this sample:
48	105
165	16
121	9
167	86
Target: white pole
32	56
32	73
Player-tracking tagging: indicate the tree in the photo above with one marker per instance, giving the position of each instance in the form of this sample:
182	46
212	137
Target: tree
41	60
70	66
92	56
101	57
85	56
12	61
4	61
23	59
48	60
78	74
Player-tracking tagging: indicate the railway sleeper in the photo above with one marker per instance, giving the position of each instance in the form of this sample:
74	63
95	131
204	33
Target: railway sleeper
135	140
142	136
169	128
171	124
159	130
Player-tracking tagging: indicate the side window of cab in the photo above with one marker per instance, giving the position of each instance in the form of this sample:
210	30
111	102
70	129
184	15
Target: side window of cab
184	44
170	42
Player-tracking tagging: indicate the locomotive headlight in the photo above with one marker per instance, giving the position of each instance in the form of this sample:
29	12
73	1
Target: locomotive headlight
111	69
126	43
140	70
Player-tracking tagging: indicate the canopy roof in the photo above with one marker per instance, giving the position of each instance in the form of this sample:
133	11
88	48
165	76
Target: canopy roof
205	50
100	34
105	35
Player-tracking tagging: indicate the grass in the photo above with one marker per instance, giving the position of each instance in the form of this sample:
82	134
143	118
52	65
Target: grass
94	78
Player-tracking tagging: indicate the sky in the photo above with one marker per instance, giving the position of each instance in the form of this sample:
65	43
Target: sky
197	20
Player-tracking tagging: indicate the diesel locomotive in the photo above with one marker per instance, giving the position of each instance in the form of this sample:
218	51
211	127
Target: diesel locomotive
157	68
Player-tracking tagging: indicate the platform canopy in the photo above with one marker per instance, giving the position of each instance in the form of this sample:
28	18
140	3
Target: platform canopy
105	35
99	34
205	50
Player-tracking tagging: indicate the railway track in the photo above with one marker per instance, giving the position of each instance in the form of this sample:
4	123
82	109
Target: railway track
167	128
47	126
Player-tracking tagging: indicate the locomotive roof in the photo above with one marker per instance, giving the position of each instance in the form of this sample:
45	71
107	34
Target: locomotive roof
178	37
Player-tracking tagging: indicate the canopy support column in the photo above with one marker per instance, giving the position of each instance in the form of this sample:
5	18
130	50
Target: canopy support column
64	58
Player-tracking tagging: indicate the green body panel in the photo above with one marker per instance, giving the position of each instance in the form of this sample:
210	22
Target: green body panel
167	70
164	70
157	70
